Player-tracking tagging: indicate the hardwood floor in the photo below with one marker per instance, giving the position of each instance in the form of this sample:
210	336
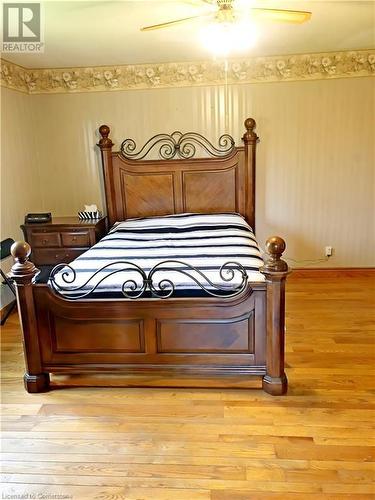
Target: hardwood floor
113	443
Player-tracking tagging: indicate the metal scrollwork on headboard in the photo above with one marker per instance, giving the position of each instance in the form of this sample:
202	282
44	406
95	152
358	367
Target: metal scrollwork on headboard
178	144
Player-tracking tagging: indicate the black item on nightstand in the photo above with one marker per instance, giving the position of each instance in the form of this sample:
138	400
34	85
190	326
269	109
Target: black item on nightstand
38	218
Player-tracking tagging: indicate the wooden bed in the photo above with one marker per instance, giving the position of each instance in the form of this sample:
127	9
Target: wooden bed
190	342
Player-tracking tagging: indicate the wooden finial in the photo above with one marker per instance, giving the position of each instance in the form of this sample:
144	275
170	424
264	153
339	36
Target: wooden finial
23	271
105	142
275	247
250	135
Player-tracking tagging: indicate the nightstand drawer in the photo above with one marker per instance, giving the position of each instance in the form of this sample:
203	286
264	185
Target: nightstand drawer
45	240
76	239
58	256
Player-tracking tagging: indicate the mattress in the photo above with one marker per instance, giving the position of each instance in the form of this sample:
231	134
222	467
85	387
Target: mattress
186	249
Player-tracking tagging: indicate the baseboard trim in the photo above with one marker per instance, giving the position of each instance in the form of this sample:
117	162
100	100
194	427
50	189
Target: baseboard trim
333	272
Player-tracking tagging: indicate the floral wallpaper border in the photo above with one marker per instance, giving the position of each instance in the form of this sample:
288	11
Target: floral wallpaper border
185	74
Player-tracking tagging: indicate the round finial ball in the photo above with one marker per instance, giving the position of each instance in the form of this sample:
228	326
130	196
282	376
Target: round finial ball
104	130
275	245
20	250
250	124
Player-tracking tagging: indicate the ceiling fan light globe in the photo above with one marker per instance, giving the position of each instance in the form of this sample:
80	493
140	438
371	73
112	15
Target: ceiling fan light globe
226	38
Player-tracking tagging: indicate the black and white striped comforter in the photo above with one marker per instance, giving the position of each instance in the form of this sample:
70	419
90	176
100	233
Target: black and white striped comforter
203	241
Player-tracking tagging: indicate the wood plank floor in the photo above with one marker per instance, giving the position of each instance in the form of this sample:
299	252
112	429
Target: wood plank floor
127	443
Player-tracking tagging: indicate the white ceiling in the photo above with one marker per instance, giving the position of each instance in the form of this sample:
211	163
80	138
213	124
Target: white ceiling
87	33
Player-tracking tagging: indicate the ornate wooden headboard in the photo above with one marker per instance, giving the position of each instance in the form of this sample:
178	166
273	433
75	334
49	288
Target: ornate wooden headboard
224	181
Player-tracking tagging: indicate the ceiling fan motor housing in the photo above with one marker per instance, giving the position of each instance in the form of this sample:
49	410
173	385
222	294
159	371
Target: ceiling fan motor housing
226	11
225	4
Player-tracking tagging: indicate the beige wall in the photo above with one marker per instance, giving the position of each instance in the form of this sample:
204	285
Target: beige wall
315	161
21	189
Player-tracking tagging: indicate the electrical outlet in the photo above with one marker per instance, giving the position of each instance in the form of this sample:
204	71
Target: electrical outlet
328	251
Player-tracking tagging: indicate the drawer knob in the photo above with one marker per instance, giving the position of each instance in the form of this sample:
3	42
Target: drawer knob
74	238
45	242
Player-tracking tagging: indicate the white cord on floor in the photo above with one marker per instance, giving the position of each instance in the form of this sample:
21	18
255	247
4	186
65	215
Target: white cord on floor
307	262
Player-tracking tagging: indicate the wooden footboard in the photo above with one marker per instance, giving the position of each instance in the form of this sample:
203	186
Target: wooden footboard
242	336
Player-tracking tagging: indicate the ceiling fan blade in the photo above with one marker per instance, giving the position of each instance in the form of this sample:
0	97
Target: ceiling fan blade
281	15
173	23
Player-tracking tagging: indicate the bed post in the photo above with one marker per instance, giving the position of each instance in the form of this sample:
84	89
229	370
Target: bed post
23	273
275	270
105	144
250	140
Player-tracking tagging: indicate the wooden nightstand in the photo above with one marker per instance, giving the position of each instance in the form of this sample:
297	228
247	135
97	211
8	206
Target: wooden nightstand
63	239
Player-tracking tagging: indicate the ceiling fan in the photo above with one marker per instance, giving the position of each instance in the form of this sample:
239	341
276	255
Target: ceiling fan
226	13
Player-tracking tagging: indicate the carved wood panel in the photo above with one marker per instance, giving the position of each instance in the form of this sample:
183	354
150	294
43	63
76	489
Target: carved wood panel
147	194
210	191
221	336
97	336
